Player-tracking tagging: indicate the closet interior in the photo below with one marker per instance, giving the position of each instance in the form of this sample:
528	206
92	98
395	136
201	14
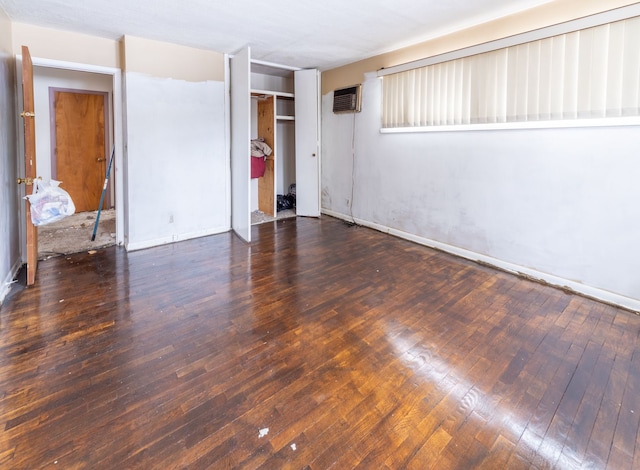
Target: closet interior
273	159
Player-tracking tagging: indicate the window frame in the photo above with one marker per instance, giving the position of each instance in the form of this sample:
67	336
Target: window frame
600	19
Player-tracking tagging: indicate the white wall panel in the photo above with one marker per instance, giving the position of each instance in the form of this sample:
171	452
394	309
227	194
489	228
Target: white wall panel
177	167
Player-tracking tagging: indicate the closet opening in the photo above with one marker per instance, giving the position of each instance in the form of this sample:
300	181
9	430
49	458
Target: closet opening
75	135
273	162
278	106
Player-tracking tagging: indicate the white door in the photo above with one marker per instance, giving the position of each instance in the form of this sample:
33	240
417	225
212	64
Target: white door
307	108
240	83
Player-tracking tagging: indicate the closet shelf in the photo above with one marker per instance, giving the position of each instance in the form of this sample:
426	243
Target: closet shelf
277	94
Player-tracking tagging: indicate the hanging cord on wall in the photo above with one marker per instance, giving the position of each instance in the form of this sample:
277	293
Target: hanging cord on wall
353	168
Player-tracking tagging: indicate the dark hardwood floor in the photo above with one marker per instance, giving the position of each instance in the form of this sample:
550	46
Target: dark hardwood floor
320	345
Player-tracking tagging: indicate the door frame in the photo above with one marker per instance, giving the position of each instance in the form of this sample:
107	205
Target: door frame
118	172
52	132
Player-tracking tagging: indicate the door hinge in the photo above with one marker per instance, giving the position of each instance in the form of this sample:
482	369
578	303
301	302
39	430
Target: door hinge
27	114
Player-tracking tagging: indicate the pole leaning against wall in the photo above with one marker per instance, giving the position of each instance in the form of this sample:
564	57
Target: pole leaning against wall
104	190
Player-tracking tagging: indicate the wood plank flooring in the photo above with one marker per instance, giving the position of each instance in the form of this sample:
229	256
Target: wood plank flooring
320	345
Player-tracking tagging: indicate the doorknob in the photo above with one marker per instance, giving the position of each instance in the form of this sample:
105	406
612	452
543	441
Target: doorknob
100	159
27	181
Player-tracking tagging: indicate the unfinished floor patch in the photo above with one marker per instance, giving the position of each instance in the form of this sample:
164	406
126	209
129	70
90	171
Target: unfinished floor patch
73	234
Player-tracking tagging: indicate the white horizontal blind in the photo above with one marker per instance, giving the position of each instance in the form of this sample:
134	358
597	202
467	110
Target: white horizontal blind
590	73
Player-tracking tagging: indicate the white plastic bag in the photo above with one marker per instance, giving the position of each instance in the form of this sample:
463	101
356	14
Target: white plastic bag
49	202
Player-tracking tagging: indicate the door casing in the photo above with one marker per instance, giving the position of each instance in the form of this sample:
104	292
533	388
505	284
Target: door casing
118	173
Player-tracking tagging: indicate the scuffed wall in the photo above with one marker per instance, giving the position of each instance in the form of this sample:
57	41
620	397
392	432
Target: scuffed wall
554	204
176	163
9	201
557	204
176	159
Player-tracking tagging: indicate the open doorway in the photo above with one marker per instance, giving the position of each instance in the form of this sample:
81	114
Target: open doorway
75	132
73	234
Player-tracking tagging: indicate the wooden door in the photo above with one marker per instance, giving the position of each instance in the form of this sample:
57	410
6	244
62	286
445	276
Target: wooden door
267	131
80	151
28	116
240	71
307	106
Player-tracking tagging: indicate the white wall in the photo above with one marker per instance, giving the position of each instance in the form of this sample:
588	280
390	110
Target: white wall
176	160
286	163
558	204
9	190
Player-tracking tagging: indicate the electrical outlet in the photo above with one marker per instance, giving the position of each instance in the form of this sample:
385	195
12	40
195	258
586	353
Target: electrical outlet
171	218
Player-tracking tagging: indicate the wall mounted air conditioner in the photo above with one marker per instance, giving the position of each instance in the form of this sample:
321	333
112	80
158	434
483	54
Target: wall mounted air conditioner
347	100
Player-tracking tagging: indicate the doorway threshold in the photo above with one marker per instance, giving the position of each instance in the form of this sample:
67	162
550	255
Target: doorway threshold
259	217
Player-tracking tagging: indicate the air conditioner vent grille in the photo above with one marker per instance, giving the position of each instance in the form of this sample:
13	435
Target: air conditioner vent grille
347	100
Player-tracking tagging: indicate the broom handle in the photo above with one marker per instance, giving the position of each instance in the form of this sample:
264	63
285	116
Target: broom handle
104	190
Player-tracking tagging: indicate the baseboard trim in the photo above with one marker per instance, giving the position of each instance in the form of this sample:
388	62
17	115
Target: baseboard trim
134	246
595	293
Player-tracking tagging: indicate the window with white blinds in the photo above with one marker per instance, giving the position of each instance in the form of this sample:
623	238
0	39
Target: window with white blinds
590	73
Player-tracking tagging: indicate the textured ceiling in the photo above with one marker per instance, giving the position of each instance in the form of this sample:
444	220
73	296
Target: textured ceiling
322	33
